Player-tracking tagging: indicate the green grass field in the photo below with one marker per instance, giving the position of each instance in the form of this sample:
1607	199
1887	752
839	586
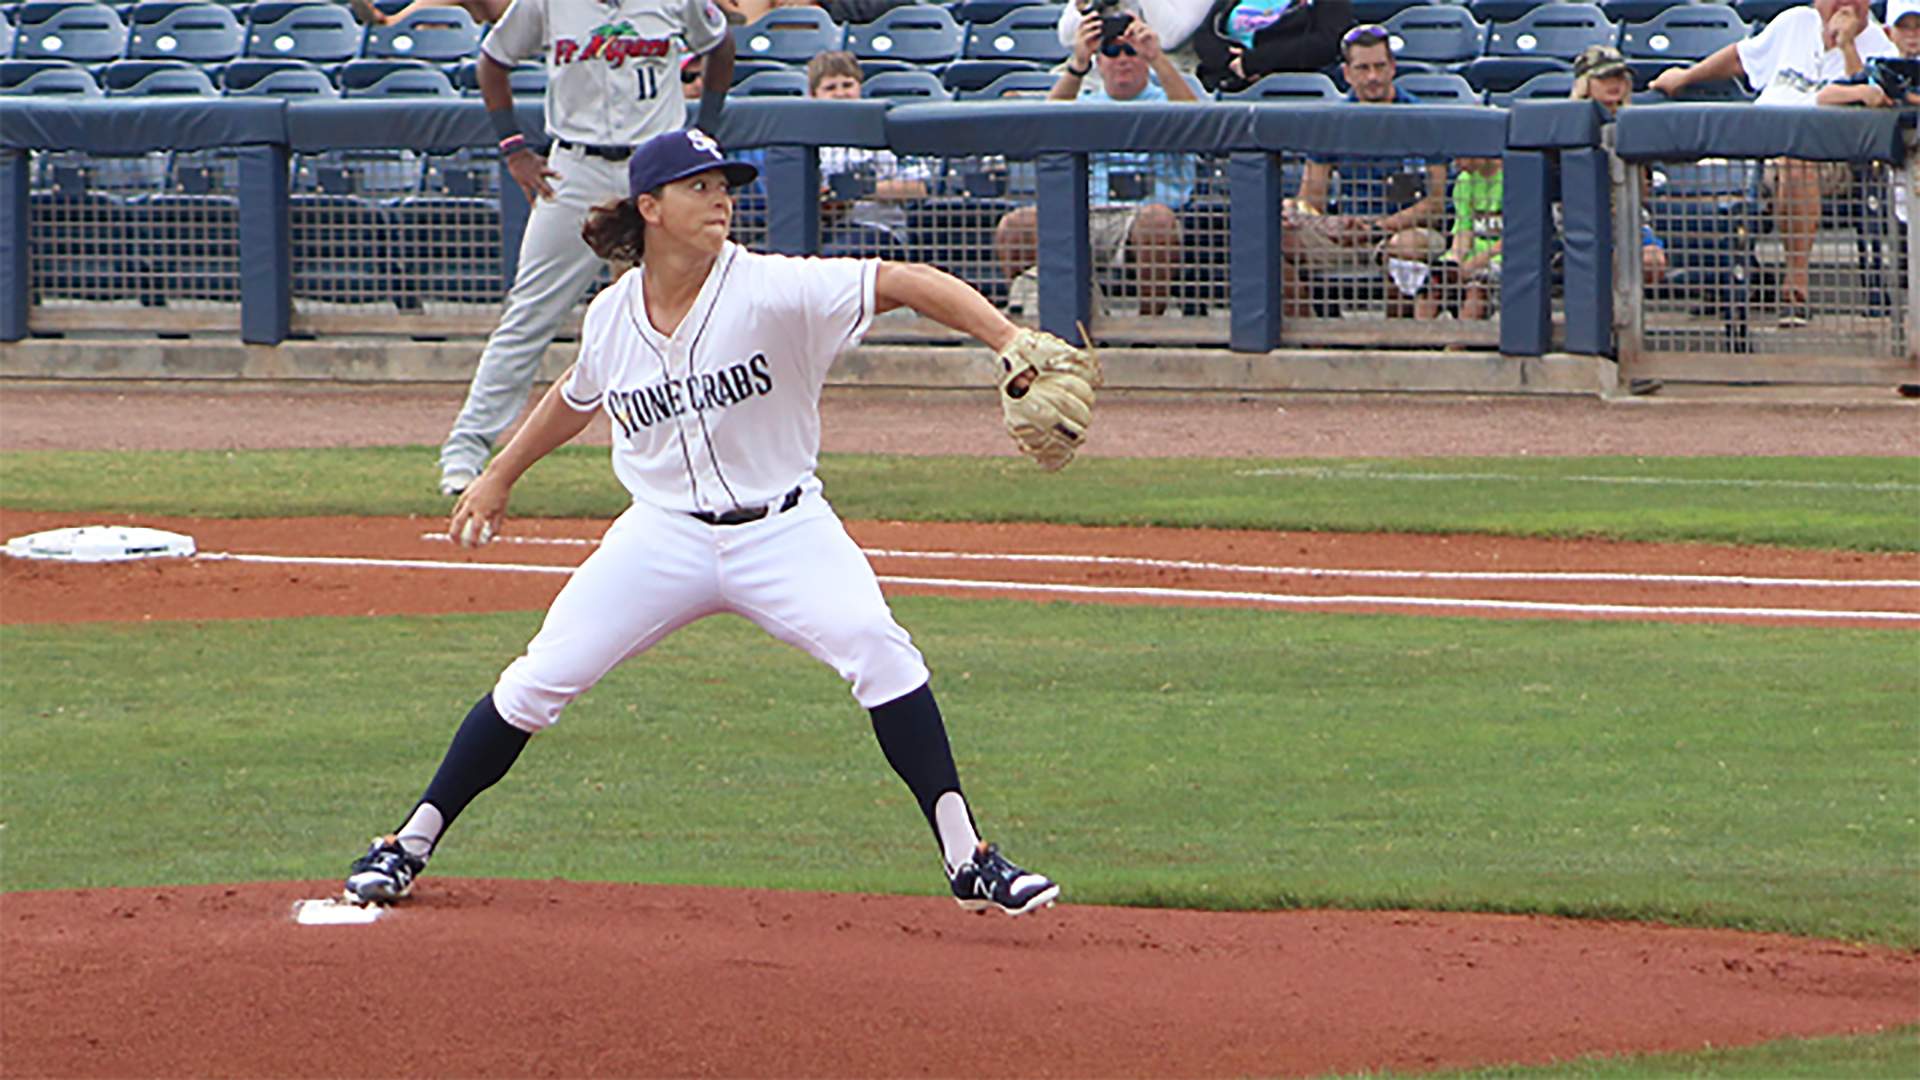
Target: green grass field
1717	776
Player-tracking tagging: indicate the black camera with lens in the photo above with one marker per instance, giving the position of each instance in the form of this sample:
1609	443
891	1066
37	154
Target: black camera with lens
1113	25
1896	77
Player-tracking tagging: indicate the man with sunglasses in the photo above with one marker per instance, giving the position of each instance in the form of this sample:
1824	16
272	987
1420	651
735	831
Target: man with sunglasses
1388	207
1133	196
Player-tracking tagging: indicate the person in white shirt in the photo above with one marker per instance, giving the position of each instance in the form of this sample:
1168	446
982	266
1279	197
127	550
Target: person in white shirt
707	361
836	76
1802	50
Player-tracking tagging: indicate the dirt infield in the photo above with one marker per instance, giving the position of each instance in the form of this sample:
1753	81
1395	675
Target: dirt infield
506	978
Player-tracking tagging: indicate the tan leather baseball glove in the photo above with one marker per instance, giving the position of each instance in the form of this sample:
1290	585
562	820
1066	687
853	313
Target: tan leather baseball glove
1046	395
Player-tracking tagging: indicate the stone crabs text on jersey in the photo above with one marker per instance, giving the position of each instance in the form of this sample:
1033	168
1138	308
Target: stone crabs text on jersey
700	391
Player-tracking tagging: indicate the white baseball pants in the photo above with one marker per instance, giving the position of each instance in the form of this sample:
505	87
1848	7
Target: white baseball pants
796	574
556	267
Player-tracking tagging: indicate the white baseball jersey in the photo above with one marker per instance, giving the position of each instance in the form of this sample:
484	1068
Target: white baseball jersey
725	411
612	65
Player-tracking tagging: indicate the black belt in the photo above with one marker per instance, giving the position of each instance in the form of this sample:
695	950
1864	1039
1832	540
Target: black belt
611	153
740	515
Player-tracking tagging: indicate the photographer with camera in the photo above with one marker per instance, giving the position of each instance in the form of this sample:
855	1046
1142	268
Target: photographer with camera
1243	40
1803	50
861	190
1133	195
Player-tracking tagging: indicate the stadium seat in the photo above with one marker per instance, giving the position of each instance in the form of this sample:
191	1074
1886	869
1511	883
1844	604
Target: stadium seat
449	246
1030	83
1379	11
1692	32
789	83
1488	12
242	73
340	248
393	78
1557	30
1505	74
986	11
1436	33
189	243
870	68
202	33
152	78
1547	86
441	35
528	80
908	86
1028	33
743	69
1763	11
1438	88
323	33
82	33
952	233
68	81
920	33
966	75
285	83
1283	86
791	34
6	37
1620	12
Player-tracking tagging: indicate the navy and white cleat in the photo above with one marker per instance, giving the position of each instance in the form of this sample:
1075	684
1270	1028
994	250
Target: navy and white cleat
988	881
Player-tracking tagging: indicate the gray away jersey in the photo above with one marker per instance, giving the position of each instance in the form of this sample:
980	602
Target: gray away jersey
612	65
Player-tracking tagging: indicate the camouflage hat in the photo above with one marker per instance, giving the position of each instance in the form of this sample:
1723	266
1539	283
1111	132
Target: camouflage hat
1599	60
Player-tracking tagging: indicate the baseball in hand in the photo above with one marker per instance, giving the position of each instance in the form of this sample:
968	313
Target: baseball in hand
476	532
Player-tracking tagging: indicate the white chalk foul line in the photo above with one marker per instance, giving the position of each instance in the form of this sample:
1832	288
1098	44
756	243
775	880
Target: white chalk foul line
1397	601
1329	572
1151	592
1312	472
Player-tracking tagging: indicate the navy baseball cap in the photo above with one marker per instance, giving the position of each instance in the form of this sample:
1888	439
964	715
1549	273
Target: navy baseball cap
677	155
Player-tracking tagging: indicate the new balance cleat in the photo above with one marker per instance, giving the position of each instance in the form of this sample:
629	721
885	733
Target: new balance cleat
988	880
384	874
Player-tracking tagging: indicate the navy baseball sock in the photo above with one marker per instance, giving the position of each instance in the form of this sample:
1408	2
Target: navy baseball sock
914	739
484	748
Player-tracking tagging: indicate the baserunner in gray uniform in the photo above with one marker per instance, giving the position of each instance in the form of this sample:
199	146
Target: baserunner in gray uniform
612	82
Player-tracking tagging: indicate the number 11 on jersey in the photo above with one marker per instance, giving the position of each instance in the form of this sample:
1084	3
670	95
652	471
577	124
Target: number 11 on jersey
649	84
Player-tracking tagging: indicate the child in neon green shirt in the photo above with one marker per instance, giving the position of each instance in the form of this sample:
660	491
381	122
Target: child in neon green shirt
1473	259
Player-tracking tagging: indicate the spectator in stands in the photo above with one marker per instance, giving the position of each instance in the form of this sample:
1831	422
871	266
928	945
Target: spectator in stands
1802	50
483	11
1601	75
1133	196
1243	40
1388	206
1470	269
1903	29
693	78
878	181
1174	20
840	11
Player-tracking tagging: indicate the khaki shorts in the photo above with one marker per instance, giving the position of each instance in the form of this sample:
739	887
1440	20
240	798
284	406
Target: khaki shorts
1321	242
1834	176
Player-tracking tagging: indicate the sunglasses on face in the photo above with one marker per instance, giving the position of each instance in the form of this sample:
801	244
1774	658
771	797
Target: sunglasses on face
1118	48
1365	34
689	75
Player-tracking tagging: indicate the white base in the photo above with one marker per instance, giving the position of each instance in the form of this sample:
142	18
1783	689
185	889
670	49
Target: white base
101	543
335	912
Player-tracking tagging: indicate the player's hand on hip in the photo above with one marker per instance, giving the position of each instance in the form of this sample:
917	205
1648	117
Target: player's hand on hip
530	172
478	515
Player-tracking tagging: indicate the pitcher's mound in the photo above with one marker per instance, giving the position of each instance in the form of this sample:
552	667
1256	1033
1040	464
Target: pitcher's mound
519	978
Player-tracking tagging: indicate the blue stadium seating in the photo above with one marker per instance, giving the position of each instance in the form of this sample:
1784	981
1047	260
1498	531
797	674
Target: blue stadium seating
393	78
242	73
1282	86
1379	11
964	75
985	11
340	247
1558	30
788	83
1493	11
1438	88
905	86
920	33
121	75
951	233
46	78
303	82
190	242
528	80
6	37
323	33
1436	33
443	35
1682	33
1633	11
1504	74
1031	82
791	34
449	247
870	68
1547	86
83	33
1028	33
1763	11
202	33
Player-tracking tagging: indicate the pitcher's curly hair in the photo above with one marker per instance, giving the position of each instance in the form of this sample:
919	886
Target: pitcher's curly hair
615	231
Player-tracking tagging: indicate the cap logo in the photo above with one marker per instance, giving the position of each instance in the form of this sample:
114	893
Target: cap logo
703	142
